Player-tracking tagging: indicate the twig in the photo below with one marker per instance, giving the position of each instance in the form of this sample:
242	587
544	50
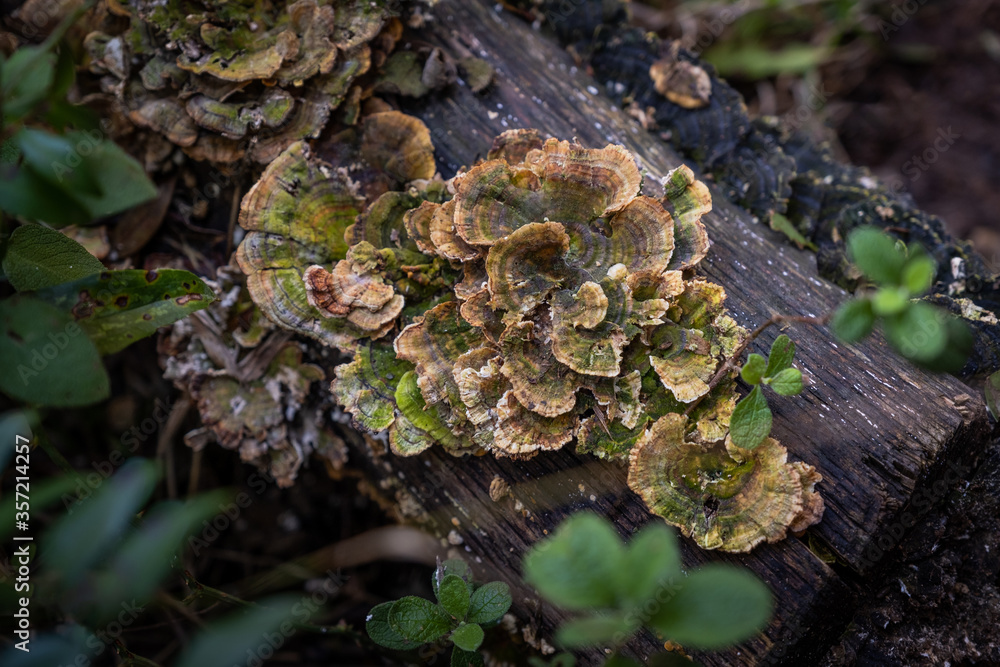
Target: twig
730	363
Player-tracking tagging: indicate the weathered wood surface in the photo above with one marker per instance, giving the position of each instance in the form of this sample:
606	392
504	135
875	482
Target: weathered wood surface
877	429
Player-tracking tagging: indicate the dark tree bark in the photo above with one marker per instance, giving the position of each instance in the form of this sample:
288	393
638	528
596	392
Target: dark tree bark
883	434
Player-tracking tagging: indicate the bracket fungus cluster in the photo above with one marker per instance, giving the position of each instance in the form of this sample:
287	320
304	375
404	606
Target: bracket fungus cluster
250	385
718	494
546	300
224	80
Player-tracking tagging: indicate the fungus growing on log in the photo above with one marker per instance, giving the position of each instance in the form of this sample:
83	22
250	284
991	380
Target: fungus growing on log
548	301
250	385
228	80
720	495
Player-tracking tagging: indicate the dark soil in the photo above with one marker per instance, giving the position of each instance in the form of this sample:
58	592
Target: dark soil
940	603
924	114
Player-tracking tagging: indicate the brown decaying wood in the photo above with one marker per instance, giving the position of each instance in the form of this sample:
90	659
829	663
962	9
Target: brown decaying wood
876	428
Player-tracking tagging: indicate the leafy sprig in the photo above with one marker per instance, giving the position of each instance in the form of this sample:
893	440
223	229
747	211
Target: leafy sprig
751	420
462	609
928	336
618	589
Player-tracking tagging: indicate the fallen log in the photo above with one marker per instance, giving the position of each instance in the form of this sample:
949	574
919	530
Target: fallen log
884	435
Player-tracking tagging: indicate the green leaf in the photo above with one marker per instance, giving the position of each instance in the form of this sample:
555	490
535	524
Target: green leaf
468	637
226	642
577	566
875	254
918	274
64	73
80	540
753	369
717	606
56	363
141	562
39	257
47	152
381	633
25	79
419	620
759	62
122	180
453	595
784	225
25	193
460	658
853	320
890	301
918	333
788	382
781	355
651	565
751	420
61	114
117	308
455	566
603	630
931	338
489	602
992	392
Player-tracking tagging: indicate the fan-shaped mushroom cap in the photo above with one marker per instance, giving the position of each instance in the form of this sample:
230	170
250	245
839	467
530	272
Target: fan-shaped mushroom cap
418	425
682	82
168	118
689	199
434	343
261	63
688	350
521	432
525	267
480	384
539	381
514	145
399	145
721	496
366	385
432	228
355	289
561	181
268	75
584	341
295	217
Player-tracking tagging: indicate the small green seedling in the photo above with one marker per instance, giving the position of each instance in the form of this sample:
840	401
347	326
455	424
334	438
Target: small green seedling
463	608
751	420
584	566
928	336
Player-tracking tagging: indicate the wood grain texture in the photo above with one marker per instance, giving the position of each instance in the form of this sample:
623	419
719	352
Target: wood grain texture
876	428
